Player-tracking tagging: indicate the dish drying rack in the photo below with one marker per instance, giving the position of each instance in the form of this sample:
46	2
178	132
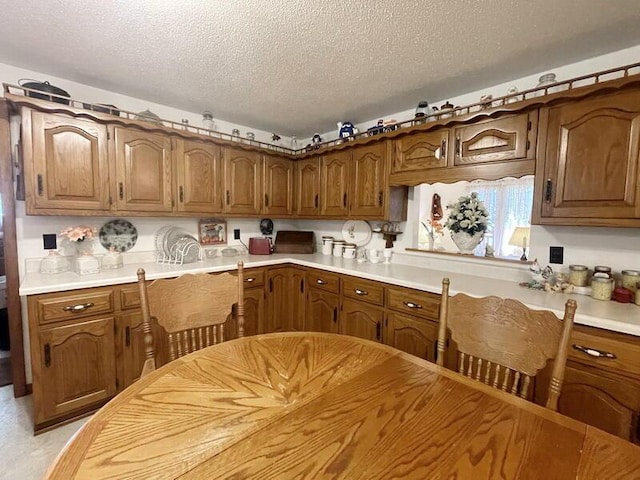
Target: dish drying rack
175	246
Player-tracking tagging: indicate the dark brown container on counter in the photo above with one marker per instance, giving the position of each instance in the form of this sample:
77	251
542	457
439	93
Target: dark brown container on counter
292	241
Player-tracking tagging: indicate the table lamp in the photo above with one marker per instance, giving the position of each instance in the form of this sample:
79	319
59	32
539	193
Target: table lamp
520	238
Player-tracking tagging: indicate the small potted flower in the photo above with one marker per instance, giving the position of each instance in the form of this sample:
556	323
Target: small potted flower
434	230
81	237
468	220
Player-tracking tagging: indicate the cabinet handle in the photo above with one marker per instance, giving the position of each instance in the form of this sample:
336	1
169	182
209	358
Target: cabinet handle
413	305
121	190
47	355
40	185
458	147
302	285
266	200
181	194
344	200
335	315
81	307
547	191
321	282
228	197
249	280
443	149
271	285
127	336
315	201
379	199
362	293
378	331
592	352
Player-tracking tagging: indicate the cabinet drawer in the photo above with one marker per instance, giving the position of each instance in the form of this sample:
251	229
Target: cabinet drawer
414	302
57	308
595	347
129	297
253	278
365	290
324	280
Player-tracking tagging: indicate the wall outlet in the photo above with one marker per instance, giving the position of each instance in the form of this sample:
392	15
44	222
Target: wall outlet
236	234
556	255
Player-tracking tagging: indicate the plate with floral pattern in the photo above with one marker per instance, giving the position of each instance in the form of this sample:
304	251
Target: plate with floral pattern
119	235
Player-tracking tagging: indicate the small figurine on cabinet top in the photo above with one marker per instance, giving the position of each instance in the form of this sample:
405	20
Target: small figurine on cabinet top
346	130
376	129
390	125
275	137
316	140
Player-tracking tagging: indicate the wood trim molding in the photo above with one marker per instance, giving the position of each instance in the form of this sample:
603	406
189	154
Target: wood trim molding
11	255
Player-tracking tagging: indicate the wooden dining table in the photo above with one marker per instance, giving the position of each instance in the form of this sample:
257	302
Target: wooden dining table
314	405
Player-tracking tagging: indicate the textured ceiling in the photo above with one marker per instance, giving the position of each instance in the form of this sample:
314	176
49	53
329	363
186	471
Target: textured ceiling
297	67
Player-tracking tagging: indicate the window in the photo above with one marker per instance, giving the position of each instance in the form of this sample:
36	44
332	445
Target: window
509	201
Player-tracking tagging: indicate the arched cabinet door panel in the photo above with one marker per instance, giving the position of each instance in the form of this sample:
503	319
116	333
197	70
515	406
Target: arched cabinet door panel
143	171
242	191
198	167
591	161
66	162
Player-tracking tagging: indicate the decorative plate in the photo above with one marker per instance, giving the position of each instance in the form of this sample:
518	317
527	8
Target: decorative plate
356	231
119	234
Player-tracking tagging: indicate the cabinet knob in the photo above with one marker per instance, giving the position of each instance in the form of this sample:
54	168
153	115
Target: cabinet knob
413	305
249	280
362	293
593	352
81	307
319	281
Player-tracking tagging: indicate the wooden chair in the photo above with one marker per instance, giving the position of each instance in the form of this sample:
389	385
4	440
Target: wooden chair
194	311
503	343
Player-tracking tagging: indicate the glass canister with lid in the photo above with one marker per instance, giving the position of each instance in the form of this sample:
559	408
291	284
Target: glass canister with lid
630	279
601	288
601	271
578	275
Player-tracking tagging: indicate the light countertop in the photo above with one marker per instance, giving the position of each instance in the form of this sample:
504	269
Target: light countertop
623	318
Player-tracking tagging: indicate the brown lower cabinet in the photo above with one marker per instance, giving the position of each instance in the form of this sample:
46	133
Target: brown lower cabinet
87	345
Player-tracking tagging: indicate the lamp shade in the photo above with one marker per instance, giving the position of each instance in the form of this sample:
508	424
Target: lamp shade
520	237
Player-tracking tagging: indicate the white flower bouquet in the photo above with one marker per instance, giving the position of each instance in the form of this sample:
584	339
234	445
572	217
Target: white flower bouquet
467	215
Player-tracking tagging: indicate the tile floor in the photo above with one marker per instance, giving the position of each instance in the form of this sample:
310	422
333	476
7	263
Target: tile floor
24	456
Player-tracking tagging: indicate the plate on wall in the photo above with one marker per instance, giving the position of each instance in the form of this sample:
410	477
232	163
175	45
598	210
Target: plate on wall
118	234
356	231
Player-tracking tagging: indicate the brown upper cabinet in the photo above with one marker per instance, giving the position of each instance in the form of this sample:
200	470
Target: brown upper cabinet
369	181
198	168
421	151
66	163
142	171
588	171
490	149
307	186
242	182
278	186
505	138
334	183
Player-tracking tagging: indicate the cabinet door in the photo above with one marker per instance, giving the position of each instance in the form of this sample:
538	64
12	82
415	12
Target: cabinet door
133	348
198	167
505	138
322	311
608	402
334	181
143	170
278	318
421	151
66	162
253	311
369	181
591	162
298	298
77	368
307	185
278	186
242	182
412	335
361	320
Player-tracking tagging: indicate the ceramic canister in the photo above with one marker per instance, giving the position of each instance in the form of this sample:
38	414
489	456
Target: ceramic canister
349	250
338	247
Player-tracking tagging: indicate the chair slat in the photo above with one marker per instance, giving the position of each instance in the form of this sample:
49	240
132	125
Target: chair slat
487	373
461	363
516	381
470	366
507	376
524	388
478	368
496	376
